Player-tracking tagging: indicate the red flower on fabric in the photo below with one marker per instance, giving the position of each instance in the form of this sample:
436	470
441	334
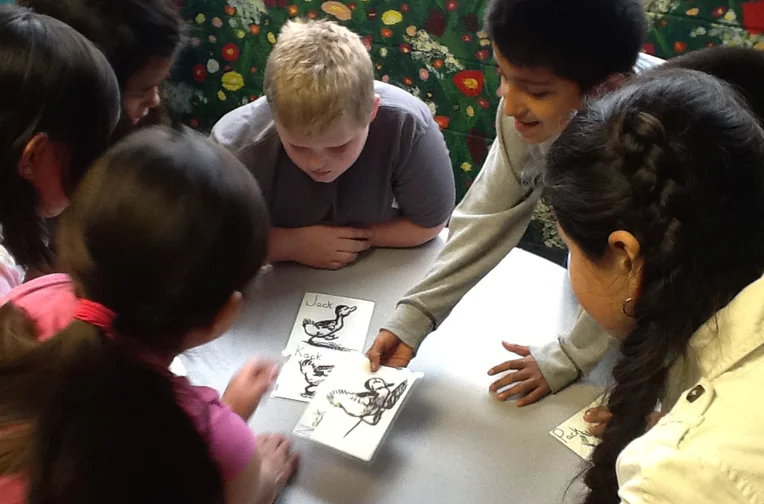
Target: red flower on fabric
194	123
648	48
312	14
450	5
366	40
405	48
718	12
199	72
482	102
469	82
386	32
435	23
254	29
230	11
292	11
371	14
466	38
407	81
404	8
437	63
230	52
753	17
482	54
441	121
679	46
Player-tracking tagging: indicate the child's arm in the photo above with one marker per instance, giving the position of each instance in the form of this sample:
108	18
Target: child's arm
484	228
246	389
401	232
265	475
327	247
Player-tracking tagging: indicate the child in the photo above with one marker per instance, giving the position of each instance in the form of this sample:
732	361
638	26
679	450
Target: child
140	38
162	236
345	163
549	65
59	103
657	190
743	69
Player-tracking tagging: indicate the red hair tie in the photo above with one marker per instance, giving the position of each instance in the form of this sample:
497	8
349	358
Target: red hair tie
94	314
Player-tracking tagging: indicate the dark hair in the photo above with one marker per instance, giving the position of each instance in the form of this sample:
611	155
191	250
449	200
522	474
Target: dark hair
163	229
129	32
549	33
675	159
52	81
743	69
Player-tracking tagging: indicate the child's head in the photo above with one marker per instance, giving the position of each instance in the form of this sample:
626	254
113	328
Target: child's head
59	103
656	189
743	69
165	230
552	53
319	83
140	38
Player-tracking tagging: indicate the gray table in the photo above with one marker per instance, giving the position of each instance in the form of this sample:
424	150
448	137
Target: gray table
452	443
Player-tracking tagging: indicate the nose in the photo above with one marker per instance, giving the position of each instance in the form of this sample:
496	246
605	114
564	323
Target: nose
513	103
155	99
316	162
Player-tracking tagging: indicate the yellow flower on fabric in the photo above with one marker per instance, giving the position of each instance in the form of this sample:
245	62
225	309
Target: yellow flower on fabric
759	46
337	9
271	38
466	167
411	30
383	51
221	95
240	33
482	34
470	111
730	16
232	81
693	12
200	18
485	42
391	17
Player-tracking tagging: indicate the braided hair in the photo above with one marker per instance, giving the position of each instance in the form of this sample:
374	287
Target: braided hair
677	160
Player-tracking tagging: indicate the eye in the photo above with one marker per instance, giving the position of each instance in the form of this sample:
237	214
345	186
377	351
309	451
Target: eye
339	149
298	148
539	94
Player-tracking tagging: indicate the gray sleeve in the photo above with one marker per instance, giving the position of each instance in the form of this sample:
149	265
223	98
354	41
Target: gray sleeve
565	359
424	183
485	226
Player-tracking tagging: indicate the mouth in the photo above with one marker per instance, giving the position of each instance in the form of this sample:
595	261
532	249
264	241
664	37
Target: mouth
526	124
321	173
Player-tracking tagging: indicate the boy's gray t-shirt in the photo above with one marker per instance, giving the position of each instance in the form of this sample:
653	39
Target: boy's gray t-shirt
403	170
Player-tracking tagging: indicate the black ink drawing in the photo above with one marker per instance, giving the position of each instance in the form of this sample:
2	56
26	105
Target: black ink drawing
369	405
323	332
314	373
307	430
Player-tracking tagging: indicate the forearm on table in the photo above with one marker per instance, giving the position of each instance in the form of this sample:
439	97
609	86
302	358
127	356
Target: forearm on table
281	244
401	233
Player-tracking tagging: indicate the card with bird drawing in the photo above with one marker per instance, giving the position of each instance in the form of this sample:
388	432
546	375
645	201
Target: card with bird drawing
353	409
330	322
305	371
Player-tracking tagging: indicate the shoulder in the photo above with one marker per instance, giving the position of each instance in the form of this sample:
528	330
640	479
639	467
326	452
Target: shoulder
399	106
710	442
48	300
245	127
230	441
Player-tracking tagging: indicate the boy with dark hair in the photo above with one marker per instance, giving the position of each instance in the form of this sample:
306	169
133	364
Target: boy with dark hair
548	66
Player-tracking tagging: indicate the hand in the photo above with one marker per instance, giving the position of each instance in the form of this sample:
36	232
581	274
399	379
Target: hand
600	416
526	375
278	463
328	247
247	388
388	350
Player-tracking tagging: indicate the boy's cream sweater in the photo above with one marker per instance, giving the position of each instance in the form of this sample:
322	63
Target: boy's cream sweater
484	228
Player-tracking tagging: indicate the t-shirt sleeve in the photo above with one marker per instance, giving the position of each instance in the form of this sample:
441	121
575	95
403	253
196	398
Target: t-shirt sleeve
230	442
424	185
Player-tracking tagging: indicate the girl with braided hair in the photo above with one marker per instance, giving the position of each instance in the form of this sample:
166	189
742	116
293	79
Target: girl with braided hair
659	190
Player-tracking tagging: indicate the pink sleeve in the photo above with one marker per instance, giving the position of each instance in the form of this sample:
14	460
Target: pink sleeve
230	442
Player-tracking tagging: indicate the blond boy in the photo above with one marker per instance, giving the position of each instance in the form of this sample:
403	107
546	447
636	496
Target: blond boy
345	162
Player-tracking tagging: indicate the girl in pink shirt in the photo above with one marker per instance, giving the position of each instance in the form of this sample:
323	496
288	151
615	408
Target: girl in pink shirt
163	234
59	103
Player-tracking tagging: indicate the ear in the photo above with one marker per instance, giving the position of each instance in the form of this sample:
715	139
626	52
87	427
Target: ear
226	315
624	249
610	84
32	156
374	109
